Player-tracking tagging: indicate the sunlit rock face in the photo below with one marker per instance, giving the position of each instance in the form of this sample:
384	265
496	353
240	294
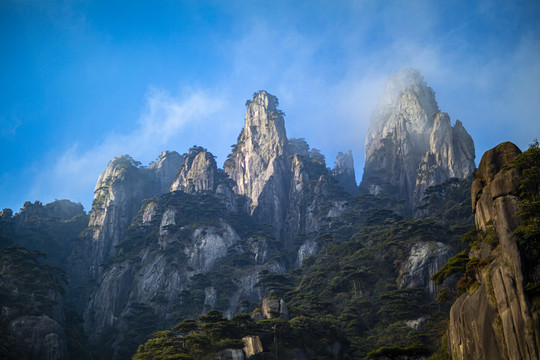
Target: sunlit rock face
496	320
197	174
410	144
258	164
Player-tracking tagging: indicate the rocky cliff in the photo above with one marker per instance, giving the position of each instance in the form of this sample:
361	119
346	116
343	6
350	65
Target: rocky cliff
203	244
285	182
164	170
176	261
496	318
258	163
410	144
118	194
198	173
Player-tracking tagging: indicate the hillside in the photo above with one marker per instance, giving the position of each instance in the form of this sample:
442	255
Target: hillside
279	256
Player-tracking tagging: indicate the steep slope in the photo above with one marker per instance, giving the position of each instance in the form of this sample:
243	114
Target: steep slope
497	316
286	184
203	245
183	255
52	228
410	145
117	199
315	203
198	172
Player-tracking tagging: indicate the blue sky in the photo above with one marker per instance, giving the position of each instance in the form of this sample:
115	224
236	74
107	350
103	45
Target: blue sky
84	81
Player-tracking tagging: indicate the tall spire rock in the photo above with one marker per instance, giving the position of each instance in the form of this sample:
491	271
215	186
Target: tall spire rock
343	171
258	163
410	144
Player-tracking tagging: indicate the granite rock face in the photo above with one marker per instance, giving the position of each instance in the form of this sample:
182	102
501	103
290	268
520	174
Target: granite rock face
496	320
272	308
425	259
197	174
315	199
164	169
187	237
118	194
258	163
410	144
286	183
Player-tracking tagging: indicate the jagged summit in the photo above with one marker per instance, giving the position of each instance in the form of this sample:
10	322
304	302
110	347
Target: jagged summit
258	162
117	199
165	168
198	172
410	144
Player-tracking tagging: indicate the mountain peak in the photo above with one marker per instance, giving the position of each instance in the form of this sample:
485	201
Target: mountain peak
264	123
197	173
410	144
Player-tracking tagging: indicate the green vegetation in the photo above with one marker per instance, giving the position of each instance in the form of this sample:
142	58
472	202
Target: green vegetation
197	340
395	352
212	332
347	294
29	287
456	264
528	233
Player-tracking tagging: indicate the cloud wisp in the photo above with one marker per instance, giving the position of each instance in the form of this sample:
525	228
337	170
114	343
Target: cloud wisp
73	174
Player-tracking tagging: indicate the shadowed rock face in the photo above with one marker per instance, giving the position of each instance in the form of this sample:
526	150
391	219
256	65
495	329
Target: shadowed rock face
43	336
343	171
410	145
496	320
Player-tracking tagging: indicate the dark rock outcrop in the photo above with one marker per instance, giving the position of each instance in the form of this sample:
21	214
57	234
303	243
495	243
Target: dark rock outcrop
410	144
494	320
42	336
343	171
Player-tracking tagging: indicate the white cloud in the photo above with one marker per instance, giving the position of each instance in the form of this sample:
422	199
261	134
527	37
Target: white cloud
73	174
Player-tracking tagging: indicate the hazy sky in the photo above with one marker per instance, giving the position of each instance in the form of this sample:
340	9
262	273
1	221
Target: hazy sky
84	81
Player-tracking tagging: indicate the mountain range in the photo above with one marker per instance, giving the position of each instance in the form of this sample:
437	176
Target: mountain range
276	255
